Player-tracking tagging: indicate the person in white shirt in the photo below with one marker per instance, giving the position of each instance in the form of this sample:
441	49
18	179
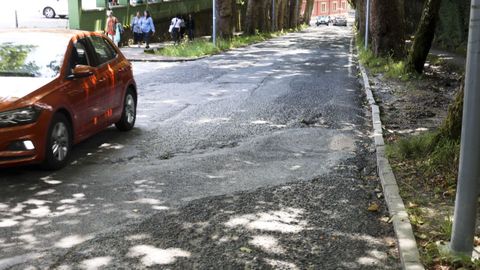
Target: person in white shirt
175	26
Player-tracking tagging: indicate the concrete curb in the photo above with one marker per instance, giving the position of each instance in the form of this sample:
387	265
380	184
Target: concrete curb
133	59
167	60
407	245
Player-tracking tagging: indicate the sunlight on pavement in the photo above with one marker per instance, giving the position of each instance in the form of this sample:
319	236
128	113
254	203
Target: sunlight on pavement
146	201
152	255
284	221
49	180
95	263
7	222
72	240
376	257
45	192
260	122
277	264
137	237
115	146
267	243
212	120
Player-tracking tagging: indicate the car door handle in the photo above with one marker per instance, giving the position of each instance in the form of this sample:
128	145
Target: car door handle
102	79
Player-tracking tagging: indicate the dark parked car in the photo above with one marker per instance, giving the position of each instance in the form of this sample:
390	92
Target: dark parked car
340	21
322	20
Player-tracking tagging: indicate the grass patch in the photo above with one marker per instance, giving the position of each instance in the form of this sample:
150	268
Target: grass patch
201	47
427	165
436	158
387	65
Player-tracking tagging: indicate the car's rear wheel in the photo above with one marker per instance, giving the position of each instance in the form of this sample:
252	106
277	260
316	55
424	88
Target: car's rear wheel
129	112
49	12
59	143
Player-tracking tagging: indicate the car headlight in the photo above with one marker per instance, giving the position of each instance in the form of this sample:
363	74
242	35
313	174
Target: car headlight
20	116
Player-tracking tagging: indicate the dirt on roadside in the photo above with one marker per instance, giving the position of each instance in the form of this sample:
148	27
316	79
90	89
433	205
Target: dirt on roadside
416	105
408	108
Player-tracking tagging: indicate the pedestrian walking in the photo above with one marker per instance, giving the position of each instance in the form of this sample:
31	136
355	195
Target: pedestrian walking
175	29
118	33
137	29
148	28
190	24
182	28
111	25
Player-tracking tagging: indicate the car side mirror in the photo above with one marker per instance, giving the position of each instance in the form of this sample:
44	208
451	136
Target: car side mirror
81	71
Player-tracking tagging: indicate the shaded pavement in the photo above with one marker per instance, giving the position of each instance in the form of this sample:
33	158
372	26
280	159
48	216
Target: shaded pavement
260	157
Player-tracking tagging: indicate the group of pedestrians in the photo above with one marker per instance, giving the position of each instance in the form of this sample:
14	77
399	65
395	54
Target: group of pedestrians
179	27
143	28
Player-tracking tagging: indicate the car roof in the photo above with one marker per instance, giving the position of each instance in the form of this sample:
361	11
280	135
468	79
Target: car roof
66	33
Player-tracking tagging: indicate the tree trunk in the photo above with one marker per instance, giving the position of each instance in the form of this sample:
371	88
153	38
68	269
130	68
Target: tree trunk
293	13
225	17
263	16
423	37
282	14
452	125
307	15
388	28
251	18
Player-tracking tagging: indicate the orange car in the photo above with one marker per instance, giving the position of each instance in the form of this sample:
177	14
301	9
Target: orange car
57	88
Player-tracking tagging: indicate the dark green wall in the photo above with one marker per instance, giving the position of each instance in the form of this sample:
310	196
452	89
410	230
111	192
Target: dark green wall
94	20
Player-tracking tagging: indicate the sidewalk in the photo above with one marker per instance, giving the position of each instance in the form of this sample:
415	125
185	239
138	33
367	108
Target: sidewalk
140	54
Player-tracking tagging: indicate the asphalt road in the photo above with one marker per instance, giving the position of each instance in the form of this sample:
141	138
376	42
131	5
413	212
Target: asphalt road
256	158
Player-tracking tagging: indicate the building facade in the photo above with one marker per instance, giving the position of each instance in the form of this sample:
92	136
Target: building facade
328	7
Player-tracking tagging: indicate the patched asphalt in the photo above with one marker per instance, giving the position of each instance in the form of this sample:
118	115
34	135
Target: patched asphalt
260	157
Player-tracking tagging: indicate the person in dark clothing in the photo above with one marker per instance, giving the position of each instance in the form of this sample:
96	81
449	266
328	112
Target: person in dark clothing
182	28
190	25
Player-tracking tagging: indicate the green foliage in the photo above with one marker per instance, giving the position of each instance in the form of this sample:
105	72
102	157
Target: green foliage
200	47
386	65
13	59
433	154
412	147
452	30
446	227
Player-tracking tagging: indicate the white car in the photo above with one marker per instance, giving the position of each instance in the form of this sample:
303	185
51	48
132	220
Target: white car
52	8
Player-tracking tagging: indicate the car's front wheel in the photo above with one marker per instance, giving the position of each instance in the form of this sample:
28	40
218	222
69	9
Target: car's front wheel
49	12
59	143
129	112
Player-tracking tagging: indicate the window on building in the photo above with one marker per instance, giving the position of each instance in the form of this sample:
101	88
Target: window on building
344	5
334	6
324	7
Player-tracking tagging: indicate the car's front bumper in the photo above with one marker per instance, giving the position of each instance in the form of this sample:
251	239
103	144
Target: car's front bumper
13	151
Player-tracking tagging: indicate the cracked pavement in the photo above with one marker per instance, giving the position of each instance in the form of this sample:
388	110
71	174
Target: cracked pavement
260	157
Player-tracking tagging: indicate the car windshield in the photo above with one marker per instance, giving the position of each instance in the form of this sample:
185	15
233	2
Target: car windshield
32	54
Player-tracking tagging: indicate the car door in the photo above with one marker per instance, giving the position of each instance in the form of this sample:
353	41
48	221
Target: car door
107	68
105	59
83	94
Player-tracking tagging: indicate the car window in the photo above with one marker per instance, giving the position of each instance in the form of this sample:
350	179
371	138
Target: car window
80	54
103	50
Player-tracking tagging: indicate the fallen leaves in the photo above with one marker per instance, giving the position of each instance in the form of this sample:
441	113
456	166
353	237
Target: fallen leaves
246	250
386	219
412	205
416	220
373	207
